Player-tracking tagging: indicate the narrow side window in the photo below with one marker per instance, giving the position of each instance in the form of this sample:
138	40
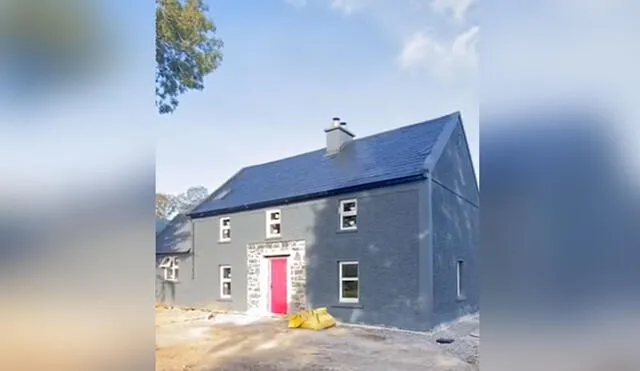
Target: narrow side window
348	215
460	278
225	229
274	223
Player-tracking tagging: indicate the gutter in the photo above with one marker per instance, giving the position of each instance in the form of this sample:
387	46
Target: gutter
308	197
193	250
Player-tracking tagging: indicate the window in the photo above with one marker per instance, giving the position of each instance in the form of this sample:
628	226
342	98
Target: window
225	281
348	215
222	194
460	278
349	287
274	223
225	229
169	265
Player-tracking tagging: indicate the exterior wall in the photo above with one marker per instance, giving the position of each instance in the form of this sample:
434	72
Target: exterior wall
386	246
425	260
180	292
456	225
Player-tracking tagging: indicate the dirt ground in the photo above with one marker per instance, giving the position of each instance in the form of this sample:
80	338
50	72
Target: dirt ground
202	341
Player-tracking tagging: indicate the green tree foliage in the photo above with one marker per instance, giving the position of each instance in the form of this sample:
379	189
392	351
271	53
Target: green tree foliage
187	50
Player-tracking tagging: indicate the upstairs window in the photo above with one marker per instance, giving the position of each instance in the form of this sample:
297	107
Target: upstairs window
348	215
225	281
169	265
274	223
225	229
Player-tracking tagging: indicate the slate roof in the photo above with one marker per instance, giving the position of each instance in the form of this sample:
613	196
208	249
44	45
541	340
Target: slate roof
175	237
383	159
161	224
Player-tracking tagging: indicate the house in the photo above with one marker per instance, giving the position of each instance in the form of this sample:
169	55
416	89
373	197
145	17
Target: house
382	230
173	252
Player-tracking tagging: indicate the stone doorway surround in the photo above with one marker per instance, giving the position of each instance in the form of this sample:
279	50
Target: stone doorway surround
258	255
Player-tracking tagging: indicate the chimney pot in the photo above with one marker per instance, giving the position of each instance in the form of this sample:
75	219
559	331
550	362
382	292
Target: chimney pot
337	136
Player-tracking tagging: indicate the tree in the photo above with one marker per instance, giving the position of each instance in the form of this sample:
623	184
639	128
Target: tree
189	199
163	205
187	50
168	205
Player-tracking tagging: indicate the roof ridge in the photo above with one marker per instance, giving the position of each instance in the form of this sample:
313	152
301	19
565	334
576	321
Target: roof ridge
449	115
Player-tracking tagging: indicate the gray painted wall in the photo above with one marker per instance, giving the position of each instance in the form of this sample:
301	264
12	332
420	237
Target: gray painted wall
456	224
175	292
386	246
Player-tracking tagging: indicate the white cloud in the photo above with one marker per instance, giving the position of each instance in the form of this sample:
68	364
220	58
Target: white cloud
442	59
347	7
419	49
464	46
296	3
457	8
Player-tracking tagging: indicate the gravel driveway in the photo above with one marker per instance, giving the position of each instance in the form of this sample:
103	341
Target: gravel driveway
200	341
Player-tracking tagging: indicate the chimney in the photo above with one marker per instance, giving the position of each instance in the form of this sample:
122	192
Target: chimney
337	136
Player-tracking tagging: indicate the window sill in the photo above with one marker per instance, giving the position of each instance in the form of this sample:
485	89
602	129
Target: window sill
348	305
347	230
225	300
273	237
224	242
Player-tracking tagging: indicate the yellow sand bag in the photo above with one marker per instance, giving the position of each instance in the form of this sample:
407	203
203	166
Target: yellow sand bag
318	319
296	320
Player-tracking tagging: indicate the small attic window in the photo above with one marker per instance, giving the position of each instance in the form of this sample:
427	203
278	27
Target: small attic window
222	194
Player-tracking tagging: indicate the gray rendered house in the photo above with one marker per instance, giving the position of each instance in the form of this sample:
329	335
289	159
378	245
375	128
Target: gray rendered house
381	230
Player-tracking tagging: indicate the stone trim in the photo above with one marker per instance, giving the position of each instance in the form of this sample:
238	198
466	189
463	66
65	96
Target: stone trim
297	273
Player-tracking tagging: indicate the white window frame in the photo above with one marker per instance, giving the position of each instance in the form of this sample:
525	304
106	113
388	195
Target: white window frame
459	278
342	279
170	267
270	222
224	280
223	228
344	214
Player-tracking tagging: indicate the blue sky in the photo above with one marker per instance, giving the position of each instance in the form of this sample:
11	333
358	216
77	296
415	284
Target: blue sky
291	65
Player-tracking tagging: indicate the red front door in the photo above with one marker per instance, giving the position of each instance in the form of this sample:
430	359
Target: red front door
279	285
